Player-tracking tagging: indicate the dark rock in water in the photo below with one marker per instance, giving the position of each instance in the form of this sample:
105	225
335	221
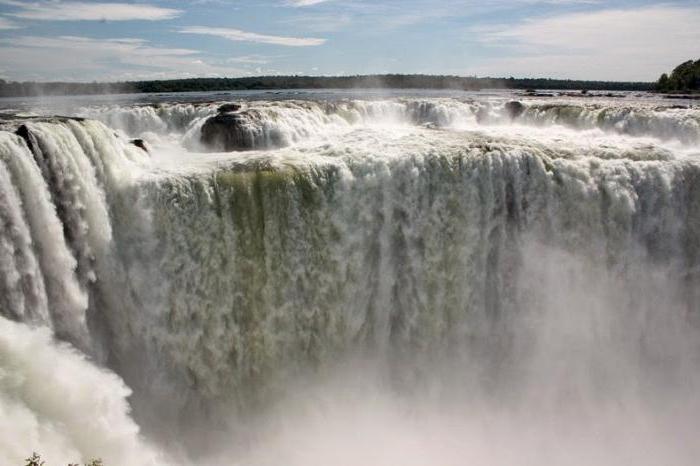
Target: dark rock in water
534	93
227	108
225	131
583	93
64	118
141	144
239	131
23	132
514	109
671	107
682	96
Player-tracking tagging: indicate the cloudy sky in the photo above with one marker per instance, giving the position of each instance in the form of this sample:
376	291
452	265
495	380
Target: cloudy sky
86	40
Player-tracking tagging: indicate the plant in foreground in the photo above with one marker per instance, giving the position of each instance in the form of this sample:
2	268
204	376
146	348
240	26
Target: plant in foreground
35	460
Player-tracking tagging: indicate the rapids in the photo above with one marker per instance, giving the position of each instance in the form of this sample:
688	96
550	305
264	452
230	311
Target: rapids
399	280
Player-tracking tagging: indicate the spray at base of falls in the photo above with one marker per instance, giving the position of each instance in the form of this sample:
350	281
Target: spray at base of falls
400	261
55	401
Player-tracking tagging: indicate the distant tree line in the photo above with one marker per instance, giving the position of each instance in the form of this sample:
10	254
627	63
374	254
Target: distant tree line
28	88
387	81
684	78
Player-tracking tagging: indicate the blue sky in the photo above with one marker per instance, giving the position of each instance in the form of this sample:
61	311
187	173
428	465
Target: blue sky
157	39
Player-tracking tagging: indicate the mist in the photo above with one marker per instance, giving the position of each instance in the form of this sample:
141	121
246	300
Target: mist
596	367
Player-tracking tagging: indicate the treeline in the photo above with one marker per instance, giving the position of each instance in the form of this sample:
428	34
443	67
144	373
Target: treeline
388	81
23	89
570	85
685	78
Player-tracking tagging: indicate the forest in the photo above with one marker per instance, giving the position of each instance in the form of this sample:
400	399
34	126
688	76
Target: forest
685	78
386	81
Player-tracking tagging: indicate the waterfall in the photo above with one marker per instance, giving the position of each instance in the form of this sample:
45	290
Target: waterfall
461	257
281	123
33	215
54	222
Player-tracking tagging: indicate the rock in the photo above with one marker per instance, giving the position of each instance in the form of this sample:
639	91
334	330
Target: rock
24	133
682	96
671	107
583	93
238	131
141	144
533	93
514	109
225	132
228	108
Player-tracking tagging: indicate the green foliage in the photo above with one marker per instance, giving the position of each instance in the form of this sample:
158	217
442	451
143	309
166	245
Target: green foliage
684	78
387	81
35	460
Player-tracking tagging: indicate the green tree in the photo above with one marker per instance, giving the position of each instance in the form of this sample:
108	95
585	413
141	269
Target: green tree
684	78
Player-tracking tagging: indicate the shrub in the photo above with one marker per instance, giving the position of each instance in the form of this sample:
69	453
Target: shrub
35	460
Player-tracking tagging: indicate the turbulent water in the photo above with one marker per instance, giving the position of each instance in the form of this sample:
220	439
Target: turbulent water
399	280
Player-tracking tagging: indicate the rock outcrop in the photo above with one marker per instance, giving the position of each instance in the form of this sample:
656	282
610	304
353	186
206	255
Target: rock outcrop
228	108
240	131
514	109
141	144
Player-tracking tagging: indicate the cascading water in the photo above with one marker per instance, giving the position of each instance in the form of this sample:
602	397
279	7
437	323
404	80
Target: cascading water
415	281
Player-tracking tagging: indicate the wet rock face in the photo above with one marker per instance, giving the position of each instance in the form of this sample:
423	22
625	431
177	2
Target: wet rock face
227	108
227	132
239	131
514	109
141	144
23	132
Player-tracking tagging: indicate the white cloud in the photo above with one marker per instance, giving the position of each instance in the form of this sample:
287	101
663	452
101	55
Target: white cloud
92	11
614	44
249	60
243	36
305	2
7	24
123	45
85	59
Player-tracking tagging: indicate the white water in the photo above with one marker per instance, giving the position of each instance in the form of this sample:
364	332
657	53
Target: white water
293	121
55	401
404	281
